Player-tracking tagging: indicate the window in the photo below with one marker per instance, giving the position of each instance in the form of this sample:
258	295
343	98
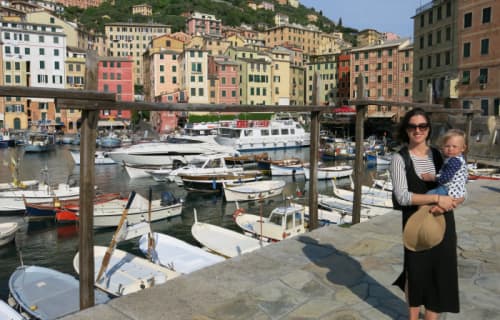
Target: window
56	65
466	77
162	79
466	53
41	51
438	36
429	39
468	20
422	21
439	13
193	90
485	43
162	68
389	65
438	59
431	17
448	33
447	58
366	67
429	62
486	15
421	42
483	76
42	64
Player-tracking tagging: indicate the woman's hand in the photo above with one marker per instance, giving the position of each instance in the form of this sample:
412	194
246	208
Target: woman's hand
446	204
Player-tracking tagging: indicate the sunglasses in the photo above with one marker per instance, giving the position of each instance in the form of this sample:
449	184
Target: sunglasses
421	126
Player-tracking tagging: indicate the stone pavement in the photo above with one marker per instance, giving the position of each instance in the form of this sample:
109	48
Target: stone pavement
330	273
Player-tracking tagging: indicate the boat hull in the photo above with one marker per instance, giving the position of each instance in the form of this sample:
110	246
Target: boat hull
253	190
8	232
325	173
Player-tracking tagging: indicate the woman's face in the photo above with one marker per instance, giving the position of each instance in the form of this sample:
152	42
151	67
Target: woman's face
417	129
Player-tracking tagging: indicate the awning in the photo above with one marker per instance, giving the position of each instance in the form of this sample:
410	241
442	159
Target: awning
116	123
381	114
345	111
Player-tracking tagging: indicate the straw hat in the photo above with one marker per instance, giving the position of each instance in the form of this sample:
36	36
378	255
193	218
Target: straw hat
423	230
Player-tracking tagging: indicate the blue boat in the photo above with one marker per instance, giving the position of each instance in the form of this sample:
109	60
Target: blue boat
47	294
109	142
40	142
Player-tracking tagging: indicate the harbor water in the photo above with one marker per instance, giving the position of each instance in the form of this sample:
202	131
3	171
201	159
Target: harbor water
51	245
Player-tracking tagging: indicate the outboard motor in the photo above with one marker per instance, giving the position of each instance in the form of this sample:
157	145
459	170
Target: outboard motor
168	199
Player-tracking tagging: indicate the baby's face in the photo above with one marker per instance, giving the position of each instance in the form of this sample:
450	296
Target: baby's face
454	146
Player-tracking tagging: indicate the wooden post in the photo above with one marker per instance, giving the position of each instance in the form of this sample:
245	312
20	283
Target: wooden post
313	158
358	162
313	169
87	185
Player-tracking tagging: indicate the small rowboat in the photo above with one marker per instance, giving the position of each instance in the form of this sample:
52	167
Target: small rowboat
7	232
254	190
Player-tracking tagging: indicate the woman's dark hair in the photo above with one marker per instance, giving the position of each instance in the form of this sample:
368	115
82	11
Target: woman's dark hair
402	134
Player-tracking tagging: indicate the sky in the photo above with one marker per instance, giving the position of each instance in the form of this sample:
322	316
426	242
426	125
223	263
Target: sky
381	15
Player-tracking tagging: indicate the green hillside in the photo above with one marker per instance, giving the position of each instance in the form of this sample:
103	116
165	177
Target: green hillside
231	12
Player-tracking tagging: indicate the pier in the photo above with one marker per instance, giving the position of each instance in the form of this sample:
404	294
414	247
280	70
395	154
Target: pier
329	273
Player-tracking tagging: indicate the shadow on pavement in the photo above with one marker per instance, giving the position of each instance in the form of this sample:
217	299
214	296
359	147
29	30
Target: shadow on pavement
344	271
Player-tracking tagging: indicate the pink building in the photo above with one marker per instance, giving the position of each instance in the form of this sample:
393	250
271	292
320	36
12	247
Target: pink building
202	23
224	77
115	74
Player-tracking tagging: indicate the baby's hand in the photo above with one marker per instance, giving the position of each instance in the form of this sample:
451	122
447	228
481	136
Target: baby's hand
428	177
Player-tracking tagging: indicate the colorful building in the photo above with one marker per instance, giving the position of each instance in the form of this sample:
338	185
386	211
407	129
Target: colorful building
202	23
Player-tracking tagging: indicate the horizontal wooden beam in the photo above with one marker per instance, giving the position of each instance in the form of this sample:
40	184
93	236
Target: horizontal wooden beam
35	92
429	107
192	107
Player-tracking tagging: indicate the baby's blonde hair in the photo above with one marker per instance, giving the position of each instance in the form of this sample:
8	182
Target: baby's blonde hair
454	133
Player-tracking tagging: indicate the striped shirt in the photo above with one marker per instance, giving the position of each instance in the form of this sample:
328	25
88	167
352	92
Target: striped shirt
398	174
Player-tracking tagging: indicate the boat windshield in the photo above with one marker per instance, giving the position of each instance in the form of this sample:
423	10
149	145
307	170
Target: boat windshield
230	132
179	140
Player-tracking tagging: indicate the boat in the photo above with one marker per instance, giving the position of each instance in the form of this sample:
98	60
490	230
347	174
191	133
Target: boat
344	207
6	140
109	141
40	142
338	150
369	196
101	157
225	242
248	161
141	171
253	135
384	184
107	214
207	165
326	216
213	182
494	176
9	313
8	232
329	172
378	159
49	210
286	167
176	254
254	190
283	222
47	294
15	185
13	201
174	152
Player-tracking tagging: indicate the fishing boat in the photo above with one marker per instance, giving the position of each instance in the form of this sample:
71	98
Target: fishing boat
176	254
344	207
8	313
254	190
101	157
47	294
253	135
40	142
283	222
107	214
326	216
286	167
225	242
329	172
369	196
8	232
13	201
248	161
214	182
141	171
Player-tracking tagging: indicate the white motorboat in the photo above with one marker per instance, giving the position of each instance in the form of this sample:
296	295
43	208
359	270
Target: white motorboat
7	232
369	196
213	182
384	184
227	243
254	190
12	201
140	171
108	214
286	167
101	157
283	222
47	294
330	172
344	207
126	273
8	313
176	254
251	135
174	151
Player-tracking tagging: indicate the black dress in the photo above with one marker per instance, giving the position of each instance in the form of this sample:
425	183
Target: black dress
432	274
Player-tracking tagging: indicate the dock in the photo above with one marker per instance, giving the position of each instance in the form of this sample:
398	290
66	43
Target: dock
330	273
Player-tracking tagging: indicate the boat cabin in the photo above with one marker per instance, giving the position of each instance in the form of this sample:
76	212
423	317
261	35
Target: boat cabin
290	219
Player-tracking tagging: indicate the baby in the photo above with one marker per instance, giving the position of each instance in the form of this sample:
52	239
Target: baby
453	175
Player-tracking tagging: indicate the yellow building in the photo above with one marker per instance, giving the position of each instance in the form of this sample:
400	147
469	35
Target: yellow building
131	40
75	79
215	45
296	36
280	85
321	71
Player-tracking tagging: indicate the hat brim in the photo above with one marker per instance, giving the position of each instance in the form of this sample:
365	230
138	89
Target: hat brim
423	230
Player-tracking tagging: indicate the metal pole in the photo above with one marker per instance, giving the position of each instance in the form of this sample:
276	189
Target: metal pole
87	183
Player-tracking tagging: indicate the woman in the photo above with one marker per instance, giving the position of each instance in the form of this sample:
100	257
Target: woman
430	277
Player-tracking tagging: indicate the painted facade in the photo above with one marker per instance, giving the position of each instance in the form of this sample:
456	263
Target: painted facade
202	23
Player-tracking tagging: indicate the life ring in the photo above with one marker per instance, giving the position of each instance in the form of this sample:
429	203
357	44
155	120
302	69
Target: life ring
238	212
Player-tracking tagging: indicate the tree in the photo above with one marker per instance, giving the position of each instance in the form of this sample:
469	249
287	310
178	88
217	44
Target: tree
340	22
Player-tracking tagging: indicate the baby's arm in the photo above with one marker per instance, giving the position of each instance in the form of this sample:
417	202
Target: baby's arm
428	177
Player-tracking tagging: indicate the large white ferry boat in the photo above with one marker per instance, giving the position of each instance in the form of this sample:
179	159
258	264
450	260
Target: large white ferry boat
253	135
